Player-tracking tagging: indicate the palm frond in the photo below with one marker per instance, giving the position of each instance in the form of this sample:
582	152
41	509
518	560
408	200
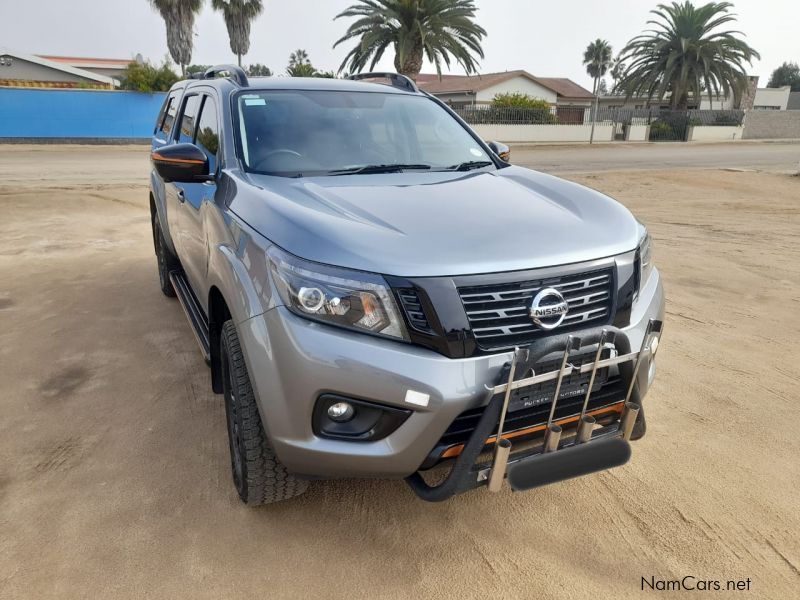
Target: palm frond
439	30
238	15
684	52
179	16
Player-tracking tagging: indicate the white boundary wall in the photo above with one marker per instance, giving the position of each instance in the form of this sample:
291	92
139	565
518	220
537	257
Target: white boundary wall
638	133
699	133
516	134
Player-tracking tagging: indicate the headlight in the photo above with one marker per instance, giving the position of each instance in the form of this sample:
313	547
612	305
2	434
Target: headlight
645	254
352	299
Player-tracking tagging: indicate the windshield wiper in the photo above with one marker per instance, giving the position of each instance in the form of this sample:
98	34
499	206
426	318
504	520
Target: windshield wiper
369	169
469	165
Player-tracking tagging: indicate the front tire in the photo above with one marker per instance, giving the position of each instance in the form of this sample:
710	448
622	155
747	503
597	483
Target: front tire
258	475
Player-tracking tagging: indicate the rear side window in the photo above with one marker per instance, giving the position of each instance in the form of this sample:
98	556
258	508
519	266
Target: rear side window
208	132
188	119
170	109
160	119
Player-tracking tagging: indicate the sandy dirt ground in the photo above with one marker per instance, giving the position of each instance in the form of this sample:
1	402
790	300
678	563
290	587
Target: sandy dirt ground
114	476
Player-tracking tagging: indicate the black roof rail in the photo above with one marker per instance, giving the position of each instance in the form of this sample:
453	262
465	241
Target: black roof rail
397	80
232	72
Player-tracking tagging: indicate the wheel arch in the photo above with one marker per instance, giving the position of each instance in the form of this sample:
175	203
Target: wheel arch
232	294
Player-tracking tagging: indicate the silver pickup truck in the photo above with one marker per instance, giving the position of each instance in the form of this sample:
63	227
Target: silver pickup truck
378	292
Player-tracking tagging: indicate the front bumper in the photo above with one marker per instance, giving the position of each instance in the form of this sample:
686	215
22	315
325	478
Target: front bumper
292	361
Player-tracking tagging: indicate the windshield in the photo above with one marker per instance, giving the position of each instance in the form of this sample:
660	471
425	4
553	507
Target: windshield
296	133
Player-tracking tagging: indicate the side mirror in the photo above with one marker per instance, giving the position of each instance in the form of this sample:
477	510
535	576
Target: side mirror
183	163
503	151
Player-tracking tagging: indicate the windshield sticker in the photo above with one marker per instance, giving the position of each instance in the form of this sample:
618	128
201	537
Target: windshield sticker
476	152
255	102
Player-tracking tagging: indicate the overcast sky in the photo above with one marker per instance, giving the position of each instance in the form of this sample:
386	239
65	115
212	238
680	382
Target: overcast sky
543	37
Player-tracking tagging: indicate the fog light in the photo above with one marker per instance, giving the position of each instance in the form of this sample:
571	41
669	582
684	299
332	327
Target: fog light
341	412
654	345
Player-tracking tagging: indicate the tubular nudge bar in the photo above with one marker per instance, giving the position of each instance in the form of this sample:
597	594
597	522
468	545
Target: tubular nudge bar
591	449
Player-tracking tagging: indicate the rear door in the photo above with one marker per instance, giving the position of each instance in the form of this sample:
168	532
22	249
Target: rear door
163	134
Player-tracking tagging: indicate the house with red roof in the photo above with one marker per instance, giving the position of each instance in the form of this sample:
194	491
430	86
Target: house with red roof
464	90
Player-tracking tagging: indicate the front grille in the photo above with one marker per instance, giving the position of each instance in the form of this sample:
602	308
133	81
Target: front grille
499	314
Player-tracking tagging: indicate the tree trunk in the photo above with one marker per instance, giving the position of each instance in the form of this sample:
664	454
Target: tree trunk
239	58
679	99
594	108
412	64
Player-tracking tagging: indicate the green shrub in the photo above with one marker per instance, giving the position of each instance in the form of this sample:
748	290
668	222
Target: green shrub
259	70
661	130
146	77
519	100
192	69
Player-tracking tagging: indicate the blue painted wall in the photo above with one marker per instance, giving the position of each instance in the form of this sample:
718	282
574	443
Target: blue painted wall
26	113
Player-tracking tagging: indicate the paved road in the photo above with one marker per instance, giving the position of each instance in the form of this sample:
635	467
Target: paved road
26	165
766	156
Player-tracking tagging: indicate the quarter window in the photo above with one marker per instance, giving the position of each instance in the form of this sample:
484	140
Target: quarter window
169	116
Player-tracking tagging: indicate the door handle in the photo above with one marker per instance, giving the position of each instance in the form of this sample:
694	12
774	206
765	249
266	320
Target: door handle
181	196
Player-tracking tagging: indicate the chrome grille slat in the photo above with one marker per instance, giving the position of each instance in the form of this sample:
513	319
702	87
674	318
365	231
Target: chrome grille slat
498	314
516	295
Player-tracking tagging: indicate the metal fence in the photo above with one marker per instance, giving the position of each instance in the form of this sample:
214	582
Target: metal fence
580	115
495	115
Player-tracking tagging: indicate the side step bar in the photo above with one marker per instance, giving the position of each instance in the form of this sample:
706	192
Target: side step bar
195	314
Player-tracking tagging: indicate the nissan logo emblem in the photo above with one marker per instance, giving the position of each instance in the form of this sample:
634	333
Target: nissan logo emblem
548	308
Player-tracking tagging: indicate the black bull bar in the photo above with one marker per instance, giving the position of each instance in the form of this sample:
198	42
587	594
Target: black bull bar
591	449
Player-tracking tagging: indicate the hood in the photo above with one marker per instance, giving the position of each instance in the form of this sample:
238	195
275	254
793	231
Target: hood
433	224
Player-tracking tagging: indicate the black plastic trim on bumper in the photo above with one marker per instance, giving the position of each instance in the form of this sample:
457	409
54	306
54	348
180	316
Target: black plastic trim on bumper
372	421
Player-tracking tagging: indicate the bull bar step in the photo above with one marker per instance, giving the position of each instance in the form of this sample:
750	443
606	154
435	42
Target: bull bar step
592	448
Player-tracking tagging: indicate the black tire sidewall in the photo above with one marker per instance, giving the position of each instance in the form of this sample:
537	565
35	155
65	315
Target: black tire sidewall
164	259
233	419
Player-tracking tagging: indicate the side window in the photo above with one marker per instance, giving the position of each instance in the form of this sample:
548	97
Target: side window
169	115
189	116
208	132
160	119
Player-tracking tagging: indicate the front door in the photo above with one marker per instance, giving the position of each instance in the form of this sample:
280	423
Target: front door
198	198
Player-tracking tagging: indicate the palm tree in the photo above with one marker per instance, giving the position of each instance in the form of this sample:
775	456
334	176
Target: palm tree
596	59
179	18
686	53
301	70
616	70
436	29
299	57
238	15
